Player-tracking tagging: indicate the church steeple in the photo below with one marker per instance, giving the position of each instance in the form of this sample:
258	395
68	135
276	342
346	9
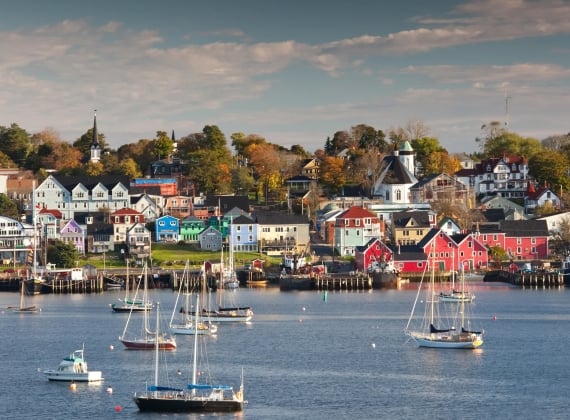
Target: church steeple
95	147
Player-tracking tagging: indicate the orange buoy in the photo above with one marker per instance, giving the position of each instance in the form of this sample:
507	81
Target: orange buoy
494	317
118	408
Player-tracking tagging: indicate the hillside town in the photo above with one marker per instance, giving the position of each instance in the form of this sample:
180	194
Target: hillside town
490	210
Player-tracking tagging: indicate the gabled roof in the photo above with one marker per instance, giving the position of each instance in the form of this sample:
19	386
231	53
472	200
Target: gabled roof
401	218
109	181
242	220
356	212
396	173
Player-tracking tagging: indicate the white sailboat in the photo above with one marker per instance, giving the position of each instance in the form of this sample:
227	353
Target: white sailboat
181	320
196	398
438	329
145	338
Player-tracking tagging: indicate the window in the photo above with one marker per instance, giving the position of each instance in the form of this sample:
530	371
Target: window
398	195
357	222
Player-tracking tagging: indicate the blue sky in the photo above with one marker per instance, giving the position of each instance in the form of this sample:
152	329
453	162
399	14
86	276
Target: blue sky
293	72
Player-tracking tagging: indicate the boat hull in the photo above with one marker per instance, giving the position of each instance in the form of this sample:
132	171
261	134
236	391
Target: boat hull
448	341
94	376
148	344
191	330
220	318
130	308
185	404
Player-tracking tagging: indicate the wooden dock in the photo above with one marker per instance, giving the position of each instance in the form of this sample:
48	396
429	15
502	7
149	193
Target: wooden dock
538	278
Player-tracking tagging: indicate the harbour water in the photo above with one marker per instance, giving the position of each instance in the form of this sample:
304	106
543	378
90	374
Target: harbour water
304	356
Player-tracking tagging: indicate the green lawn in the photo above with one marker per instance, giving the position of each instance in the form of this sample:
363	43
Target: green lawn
176	255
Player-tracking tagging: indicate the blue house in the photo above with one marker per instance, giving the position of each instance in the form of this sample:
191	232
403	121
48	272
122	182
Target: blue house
243	234
167	229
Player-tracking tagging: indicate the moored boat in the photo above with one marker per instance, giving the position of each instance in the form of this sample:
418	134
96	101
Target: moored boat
197	397
435	328
74	369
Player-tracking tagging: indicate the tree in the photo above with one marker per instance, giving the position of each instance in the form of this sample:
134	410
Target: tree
266	163
15	143
8	208
333	174
368	138
62	254
556	142
561	241
440	162
240	142
550	167
498	141
162	145
497	254
83	143
5	161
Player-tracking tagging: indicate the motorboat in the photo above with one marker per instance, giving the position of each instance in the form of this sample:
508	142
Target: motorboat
74	369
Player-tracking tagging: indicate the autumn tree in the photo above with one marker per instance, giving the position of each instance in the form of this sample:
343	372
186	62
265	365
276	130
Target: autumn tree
266	163
497	140
440	162
333	174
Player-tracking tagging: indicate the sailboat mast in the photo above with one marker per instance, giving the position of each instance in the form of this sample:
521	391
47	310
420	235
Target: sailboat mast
156	345
462	303
195	358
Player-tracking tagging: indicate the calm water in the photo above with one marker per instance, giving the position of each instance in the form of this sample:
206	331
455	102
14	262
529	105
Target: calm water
304	357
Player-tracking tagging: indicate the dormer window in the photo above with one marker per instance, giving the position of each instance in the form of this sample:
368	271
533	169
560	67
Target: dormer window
488	168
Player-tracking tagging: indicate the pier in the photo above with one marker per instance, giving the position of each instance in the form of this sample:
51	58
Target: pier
538	278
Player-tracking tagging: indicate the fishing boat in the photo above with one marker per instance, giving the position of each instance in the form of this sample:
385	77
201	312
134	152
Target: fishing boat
129	304
439	326
196	397
22	307
145	338
224	313
74	369
181	321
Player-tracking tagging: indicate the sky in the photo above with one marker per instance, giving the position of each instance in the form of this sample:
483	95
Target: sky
294	72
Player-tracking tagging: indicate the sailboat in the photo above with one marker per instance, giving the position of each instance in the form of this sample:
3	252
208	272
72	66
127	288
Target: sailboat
184	323
431	331
197	397
22	307
128	304
145	339
224	313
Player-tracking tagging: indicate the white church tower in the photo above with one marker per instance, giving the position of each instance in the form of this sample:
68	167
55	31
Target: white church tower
407	157
95	147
